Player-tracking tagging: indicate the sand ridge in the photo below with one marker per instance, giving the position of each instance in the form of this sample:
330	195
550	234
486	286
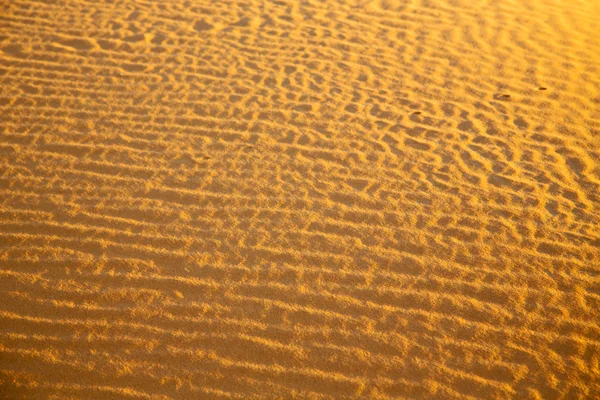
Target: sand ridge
300	199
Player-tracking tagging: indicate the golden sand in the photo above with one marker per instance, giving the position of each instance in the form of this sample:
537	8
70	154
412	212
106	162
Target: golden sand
309	199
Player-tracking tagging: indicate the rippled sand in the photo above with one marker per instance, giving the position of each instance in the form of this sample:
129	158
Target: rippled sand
309	199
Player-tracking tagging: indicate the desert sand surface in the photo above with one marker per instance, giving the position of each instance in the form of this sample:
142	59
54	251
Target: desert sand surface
300	199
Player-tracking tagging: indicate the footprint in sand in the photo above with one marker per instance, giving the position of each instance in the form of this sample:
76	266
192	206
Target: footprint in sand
501	96
202	25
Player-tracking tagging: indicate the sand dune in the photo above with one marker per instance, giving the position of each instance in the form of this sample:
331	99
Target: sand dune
300	199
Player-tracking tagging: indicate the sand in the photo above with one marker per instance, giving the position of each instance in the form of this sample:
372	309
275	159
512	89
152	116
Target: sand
300	199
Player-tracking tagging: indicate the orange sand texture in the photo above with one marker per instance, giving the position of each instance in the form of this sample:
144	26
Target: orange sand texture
300	199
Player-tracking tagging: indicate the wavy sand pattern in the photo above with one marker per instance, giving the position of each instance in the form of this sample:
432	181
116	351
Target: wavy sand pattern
309	199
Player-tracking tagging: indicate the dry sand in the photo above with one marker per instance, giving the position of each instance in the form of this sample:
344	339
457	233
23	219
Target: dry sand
310	199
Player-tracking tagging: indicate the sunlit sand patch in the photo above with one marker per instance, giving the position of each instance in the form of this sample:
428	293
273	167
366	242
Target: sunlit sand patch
300	199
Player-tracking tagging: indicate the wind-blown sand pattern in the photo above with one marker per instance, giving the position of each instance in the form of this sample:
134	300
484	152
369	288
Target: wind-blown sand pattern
309	199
